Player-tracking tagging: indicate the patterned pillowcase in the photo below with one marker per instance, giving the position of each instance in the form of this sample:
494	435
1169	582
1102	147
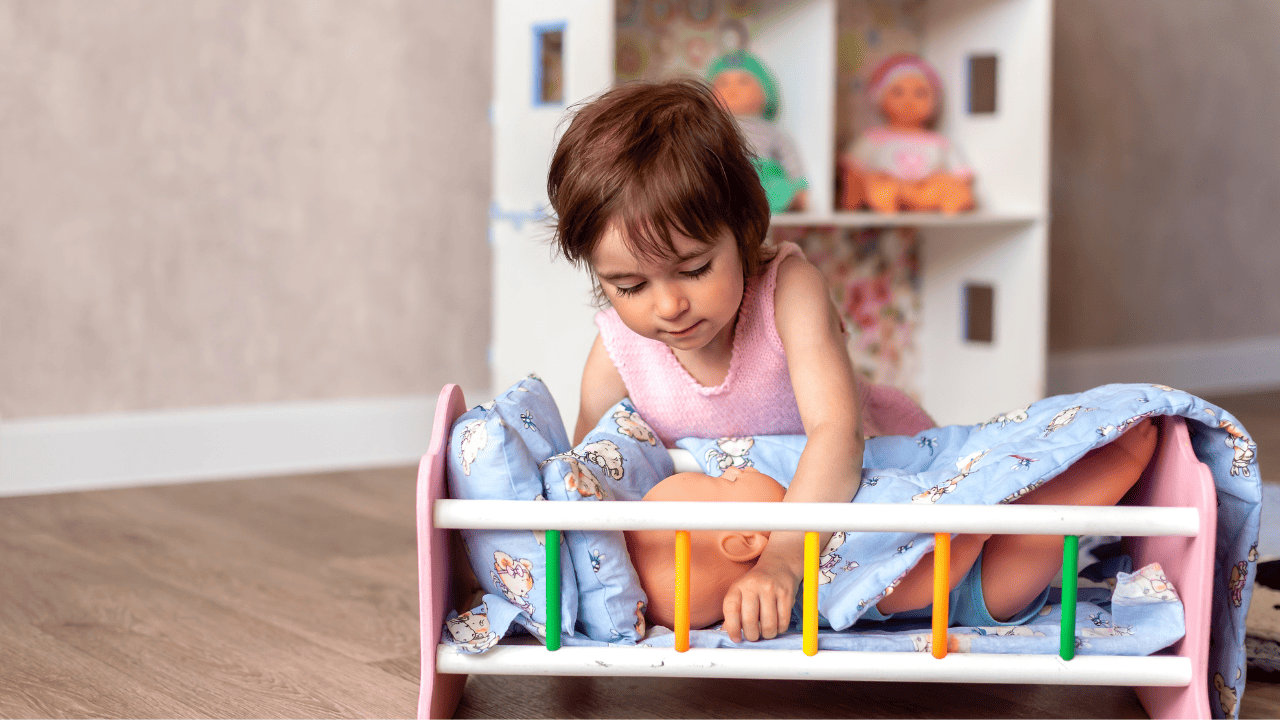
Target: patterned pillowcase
494	452
621	459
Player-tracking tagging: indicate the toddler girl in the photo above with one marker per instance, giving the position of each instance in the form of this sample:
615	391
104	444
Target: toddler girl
711	333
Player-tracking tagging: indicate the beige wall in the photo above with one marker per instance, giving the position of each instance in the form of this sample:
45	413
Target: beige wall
1166	172
239	201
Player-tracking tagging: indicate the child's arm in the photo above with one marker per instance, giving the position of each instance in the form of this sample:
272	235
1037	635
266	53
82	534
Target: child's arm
830	468
602	388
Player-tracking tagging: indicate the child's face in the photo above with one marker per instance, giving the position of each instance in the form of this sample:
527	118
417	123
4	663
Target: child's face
908	101
688	301
740	91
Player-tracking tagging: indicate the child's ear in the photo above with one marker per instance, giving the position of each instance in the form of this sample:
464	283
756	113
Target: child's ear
742	546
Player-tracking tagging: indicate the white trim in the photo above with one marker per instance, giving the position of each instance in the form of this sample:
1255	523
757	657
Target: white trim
833	665
820	517
103	450
1229	366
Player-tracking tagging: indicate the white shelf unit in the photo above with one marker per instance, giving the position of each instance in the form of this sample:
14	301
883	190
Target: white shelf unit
542	312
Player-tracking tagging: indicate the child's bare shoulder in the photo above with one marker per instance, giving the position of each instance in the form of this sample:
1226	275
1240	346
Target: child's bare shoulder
800	280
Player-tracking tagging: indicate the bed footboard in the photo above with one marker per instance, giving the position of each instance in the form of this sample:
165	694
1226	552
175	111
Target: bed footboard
1176	478
438	693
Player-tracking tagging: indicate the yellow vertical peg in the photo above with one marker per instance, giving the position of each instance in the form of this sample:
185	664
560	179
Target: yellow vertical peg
682	591
809	618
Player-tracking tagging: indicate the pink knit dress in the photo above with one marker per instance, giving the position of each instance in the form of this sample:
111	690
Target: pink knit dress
755	397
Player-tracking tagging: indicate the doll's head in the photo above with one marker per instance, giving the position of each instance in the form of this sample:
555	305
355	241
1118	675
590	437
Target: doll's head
650	160
744	85
717	557
907	91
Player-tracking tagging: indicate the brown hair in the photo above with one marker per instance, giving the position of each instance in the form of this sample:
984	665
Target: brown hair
650	158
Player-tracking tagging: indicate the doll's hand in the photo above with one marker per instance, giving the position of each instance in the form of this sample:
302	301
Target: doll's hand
759	603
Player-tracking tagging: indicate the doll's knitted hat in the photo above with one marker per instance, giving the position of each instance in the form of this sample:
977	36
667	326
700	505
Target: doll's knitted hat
896	66
743	60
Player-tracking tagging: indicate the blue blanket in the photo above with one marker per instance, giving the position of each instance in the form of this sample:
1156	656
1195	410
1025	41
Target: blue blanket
996	462
1007	456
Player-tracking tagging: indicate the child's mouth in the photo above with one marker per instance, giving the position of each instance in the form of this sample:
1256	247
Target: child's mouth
687	331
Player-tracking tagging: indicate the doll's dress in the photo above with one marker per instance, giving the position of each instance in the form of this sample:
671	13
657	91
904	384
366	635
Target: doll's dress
776	161
909	156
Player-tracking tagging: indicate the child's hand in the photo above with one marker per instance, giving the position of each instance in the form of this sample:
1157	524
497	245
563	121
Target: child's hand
759	603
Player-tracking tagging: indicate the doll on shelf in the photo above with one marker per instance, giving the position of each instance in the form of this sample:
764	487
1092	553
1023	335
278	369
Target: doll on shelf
748	90
904	164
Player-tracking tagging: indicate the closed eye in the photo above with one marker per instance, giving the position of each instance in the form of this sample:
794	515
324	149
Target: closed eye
625	291
699	272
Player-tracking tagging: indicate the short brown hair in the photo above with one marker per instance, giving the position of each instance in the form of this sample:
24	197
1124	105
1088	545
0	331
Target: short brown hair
651	158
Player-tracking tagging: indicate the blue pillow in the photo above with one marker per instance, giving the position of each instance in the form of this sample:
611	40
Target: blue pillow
494	452
621	459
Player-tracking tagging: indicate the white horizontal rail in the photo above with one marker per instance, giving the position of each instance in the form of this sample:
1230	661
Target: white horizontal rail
1166	670
818	517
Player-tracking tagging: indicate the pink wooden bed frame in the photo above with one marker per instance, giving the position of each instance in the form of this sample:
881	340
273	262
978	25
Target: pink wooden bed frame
1175	479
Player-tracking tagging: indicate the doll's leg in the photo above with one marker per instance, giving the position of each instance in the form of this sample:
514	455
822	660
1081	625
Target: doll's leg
939	193
1016	568
915	590
882	193
851	186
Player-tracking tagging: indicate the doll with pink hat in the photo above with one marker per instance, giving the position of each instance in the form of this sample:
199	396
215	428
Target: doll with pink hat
904	165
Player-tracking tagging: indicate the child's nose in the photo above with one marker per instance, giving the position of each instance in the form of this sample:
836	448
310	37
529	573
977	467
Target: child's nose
671	303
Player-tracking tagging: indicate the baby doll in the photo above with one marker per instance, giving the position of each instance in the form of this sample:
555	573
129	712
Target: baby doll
1010	580
904	164
747	89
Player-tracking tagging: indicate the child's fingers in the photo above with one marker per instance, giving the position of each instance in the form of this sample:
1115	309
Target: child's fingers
785	602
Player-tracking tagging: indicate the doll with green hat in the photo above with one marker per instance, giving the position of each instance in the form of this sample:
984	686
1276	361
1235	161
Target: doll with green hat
749	91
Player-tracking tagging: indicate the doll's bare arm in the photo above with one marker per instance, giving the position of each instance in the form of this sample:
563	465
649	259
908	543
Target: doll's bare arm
602	388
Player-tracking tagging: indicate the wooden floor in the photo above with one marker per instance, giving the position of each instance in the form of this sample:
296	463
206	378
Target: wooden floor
296	597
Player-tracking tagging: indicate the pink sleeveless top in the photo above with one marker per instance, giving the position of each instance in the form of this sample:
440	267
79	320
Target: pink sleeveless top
755	397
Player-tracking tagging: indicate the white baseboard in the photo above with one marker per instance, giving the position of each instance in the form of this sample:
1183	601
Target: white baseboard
1228	367
89	452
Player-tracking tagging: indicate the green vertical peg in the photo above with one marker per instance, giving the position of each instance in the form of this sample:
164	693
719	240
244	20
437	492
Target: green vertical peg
553	589
1070	551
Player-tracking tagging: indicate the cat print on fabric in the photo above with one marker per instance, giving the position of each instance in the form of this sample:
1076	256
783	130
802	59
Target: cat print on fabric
1147	585
828	560
1244	447
579	479
632	425
514	579
730	452
1062	419
474	439
606	454
964	465
1226	695
471	630
1235	585
1109	430
1013	416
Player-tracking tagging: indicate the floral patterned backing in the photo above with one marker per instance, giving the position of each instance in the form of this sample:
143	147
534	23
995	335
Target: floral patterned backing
874	280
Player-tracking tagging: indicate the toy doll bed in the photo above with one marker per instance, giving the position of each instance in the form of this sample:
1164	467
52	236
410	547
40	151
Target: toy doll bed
1175	526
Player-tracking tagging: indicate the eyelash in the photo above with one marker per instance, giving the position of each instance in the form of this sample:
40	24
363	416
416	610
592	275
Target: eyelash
692	274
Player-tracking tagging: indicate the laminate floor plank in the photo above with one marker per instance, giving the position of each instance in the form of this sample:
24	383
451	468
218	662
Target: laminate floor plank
358	617
220	662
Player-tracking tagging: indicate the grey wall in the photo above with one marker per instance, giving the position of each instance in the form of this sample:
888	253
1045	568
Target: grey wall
238	201
1166	172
